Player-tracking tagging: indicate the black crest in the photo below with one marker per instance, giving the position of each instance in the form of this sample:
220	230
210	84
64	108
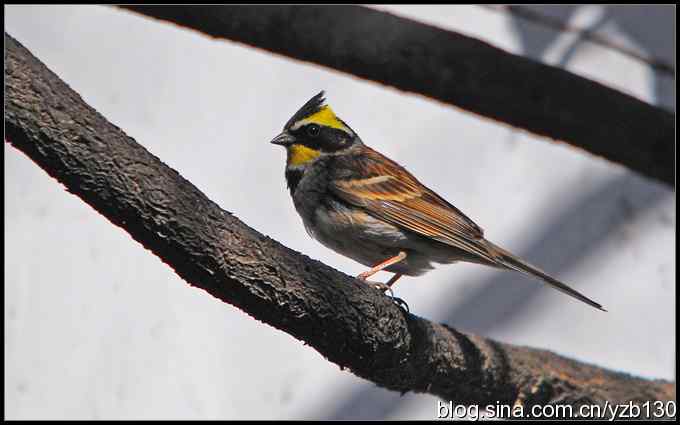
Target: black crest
312	106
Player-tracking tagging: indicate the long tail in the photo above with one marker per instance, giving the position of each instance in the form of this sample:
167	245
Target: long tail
508	260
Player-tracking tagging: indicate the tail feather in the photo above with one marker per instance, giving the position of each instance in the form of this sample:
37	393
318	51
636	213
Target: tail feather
510	261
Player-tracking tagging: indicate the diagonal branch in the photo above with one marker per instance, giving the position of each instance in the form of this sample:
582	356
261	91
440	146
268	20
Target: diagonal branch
454	69
345	320
523	12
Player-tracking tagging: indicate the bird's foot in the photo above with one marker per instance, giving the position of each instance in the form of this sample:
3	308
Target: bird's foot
365	275
401	303
383	287
380	287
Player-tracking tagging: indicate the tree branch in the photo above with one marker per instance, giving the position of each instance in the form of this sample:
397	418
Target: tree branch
454	69
350	323
531	15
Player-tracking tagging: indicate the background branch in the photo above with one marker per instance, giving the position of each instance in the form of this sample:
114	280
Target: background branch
345	320
454	69
526	13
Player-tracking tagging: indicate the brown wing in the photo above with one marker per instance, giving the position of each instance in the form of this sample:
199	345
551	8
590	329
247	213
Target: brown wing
387	191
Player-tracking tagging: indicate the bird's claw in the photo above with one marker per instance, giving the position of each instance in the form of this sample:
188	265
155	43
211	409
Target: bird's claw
388	291
401	303
382	288
364	275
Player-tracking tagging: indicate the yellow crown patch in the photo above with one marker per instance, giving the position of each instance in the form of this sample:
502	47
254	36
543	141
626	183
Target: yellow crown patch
325	116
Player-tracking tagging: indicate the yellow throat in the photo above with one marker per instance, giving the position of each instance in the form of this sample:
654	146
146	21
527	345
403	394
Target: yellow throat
300	155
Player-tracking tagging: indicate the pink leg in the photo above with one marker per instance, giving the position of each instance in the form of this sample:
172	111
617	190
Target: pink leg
393	279
365	275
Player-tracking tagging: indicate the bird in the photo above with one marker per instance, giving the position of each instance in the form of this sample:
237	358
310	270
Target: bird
365	206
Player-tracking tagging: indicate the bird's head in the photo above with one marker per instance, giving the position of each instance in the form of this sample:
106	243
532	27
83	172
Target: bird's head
313	132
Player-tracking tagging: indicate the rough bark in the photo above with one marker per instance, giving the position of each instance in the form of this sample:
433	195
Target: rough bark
348	322
454	69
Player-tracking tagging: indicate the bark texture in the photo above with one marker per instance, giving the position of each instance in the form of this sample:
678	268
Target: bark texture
347	321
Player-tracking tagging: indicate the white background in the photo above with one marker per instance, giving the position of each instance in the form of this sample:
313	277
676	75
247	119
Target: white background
97	327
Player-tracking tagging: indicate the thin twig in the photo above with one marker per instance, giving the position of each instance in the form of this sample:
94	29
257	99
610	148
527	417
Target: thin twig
583	33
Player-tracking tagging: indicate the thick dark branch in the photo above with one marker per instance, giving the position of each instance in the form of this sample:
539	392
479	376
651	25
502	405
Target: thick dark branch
350	323
452	68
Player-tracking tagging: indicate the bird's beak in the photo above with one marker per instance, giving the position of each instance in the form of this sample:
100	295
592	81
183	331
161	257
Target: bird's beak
283	139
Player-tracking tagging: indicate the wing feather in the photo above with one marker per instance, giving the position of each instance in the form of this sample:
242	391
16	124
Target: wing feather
386	190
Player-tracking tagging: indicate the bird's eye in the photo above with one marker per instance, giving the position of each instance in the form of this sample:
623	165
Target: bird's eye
313	130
